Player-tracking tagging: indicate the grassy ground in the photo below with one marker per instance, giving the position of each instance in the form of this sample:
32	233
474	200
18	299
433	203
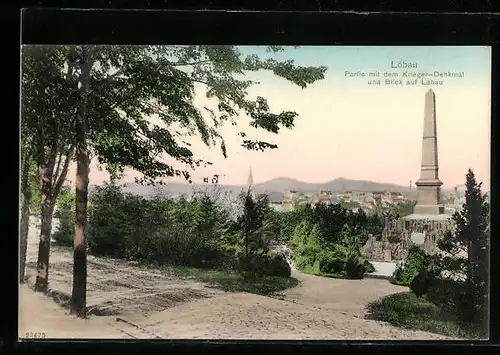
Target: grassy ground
398	283
232	281
411	312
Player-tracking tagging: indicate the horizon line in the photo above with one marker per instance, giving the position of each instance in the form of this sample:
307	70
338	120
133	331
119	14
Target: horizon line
413	188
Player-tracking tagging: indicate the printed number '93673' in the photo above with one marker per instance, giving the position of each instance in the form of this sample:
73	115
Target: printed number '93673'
34	335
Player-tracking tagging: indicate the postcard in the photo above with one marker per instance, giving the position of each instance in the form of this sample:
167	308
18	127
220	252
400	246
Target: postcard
255	192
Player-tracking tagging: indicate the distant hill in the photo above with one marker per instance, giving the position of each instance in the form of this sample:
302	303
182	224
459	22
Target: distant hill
278	185
337	185
282	184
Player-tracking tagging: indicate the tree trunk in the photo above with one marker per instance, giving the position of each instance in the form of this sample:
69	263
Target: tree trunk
78	296
42	278
25	217
50	192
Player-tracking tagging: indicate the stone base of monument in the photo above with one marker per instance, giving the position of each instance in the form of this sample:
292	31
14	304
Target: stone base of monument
383	270
418	238
429	209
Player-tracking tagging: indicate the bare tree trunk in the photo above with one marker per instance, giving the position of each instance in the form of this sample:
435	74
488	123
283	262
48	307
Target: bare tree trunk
42	278
25	217
79	294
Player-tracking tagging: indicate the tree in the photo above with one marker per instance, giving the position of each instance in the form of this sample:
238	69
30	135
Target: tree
25	210
256	228
47	122
467	251
256	233
121	87
78	296
30	198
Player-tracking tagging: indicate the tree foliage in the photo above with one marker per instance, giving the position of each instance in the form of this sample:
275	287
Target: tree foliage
417	261
47	112
467	252
254	226
100	100
129	84
328	241
65	211
193	232
456	279
159	230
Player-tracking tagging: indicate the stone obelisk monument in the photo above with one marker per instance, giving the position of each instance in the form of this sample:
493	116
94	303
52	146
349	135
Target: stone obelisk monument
428	221
429	185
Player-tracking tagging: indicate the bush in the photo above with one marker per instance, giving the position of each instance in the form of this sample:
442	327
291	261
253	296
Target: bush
306	247
408	311
160	231
313	254
421	283
214	257
264	265
277	265
416	262
65	211
342	262
331	262
110	222
446	293
369	267
250	265
355	266
65	233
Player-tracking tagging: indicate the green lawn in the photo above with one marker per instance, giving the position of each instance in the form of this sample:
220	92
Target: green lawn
411	312
232	281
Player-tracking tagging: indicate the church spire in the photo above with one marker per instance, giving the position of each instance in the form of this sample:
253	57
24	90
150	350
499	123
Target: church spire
250	178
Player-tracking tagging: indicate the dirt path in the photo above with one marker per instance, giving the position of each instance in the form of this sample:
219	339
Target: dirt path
320	308
41	317
337	295
128	301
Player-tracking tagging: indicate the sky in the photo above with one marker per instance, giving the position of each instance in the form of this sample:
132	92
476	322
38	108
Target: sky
347	127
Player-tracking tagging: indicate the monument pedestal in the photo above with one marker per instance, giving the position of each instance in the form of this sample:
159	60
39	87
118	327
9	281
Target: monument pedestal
428	209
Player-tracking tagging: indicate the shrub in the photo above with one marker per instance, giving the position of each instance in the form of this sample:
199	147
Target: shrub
270	264
416	262
214	257
65	211
306	247
110	221
331	262
263	265
421	283
446	293
315	268
407	310
369	267
315	254
177	232
343	262
65	232
355	266
277	265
